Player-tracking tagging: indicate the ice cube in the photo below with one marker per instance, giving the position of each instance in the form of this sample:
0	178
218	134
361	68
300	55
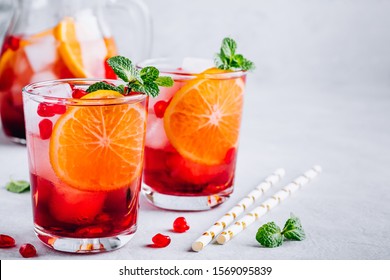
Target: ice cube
42	55
196	65
58	90
155	133
93	47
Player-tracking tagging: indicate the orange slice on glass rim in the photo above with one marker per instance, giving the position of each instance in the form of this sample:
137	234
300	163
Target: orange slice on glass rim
203	119
99	148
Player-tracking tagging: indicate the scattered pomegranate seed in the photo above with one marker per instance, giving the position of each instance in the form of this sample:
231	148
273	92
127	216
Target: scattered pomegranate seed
6	241
180	225
45	128
78	93
27	250
161	240
160	107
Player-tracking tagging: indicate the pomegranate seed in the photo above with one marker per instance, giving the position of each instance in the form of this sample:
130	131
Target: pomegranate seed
180	225
161	240
78	93
27	250
49	110
230	155
6	241
59	109
13	43
110	74
160	107
45	110
45	128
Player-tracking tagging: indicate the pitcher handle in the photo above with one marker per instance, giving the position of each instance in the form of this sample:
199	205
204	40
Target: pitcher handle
139	8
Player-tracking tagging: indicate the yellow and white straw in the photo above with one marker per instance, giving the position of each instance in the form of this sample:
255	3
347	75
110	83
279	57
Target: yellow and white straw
267	205
237	210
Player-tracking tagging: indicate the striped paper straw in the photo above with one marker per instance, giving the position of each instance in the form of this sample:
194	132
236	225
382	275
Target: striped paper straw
267	205
237	210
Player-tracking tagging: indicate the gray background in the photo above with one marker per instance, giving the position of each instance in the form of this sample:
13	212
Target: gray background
320	95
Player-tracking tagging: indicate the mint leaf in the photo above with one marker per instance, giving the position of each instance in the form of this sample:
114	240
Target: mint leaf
227	59
149	74
293	229
145	81
103	86
124	69
269	235
18	186
164	81
228	48
150	89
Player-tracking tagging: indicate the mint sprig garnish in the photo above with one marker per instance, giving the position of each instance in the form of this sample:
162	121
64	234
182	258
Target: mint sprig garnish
269	235
147	80
227	59
18	186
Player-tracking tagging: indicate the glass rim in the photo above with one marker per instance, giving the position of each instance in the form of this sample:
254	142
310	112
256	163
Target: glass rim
167	66
32	90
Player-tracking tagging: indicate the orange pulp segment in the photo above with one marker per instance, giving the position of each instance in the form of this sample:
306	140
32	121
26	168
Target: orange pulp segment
203	119
99	148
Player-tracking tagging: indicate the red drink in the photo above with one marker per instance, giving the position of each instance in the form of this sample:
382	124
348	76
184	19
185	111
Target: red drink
192	139
85	162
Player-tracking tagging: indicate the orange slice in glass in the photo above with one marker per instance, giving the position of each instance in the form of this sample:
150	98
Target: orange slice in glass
70	49
99	148
203	119
84	57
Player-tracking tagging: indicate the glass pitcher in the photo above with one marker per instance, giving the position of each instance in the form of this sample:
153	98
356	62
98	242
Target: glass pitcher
48	40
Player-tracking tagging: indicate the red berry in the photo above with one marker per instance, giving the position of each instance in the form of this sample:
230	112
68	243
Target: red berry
6	241
110	74
180	225
45	128
45	110
161	240
49	110
78	93
59	109
160	107
27	250
13	43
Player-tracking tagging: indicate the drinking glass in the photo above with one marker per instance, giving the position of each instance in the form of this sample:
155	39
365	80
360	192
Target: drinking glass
85	161
192	135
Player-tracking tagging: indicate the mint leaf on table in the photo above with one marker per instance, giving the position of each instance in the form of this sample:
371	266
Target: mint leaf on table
227	59
269	235
147	80
18	186
293	229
